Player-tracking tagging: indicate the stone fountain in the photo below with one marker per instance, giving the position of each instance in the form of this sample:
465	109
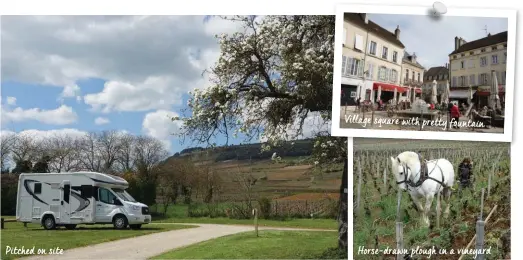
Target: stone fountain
420	109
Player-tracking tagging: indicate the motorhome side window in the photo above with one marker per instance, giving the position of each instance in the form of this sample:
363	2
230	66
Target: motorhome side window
38	188
106	196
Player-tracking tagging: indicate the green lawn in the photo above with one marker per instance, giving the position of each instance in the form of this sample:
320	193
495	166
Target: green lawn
15	235
270	245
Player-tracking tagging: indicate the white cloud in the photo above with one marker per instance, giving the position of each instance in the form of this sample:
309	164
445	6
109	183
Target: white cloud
101	121
42	134
62	115
71	91
11	101
158	124
147	61
432	40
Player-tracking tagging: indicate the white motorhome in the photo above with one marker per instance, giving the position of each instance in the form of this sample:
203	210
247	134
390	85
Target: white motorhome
68	199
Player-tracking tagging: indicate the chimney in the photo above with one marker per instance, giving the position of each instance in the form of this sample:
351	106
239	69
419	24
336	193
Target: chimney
456	43
365	18
397	32
447	65
414	57
488	35
461	41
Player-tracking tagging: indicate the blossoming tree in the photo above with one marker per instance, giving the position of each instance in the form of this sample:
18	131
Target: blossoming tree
272	81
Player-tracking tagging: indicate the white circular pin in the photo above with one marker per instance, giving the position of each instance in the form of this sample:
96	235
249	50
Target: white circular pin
438	8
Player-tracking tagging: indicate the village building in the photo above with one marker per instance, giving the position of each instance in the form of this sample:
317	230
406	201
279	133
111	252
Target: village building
412	72
372	60
441	75
471	67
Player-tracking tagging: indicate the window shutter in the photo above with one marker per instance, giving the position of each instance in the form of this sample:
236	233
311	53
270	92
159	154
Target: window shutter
359	42
360	68
344	36
343	64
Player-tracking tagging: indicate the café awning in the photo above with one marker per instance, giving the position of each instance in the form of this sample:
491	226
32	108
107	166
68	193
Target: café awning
388	87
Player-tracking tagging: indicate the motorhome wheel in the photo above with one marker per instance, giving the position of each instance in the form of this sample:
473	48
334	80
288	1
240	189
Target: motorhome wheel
120	222
49	222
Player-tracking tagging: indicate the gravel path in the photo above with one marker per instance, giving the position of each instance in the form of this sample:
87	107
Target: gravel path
147	246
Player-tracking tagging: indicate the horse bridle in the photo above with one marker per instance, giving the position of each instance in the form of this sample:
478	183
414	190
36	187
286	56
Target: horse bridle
410	183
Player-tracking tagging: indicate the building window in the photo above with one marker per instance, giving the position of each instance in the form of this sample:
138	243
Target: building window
385	53
406	75
494	59
455	56
354	67
395	56
419	76
483	79
462	64
382	74
483	50
463	55
370	71
472	80
372	48
454	82
483	61
430	77
413	76
446	76
504	78
505	60
471	53
393	76
471	64
461	81
358	42
494	48
351	67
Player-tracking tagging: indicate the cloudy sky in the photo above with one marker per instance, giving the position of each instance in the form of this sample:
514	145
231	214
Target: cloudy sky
92	73
433	40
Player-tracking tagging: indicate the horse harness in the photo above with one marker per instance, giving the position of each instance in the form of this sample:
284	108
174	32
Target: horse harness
423	177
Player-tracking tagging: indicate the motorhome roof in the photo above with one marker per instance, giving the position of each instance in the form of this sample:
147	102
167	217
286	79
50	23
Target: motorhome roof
95	176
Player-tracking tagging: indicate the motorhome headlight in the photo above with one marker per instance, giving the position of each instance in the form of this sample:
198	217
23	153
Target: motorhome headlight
135	208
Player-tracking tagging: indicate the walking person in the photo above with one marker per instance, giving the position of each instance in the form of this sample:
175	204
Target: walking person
454	115
465	174
358	104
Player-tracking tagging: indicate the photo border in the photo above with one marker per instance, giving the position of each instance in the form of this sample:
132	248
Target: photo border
506	136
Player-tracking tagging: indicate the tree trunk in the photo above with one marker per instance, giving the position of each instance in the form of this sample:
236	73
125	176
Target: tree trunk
343	211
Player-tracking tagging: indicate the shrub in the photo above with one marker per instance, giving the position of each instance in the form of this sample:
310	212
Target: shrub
9	190
265	207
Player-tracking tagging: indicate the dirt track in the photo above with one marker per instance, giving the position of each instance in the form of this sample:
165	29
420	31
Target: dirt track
144	247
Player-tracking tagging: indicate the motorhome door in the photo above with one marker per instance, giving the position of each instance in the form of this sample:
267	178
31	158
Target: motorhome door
65	209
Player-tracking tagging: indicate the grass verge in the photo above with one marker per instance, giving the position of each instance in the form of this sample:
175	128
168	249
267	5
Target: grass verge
269	245
15	235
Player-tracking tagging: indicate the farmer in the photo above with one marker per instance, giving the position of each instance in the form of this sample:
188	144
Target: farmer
465	174
454	115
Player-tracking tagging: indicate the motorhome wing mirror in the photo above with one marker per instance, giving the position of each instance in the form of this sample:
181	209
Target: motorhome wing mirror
117	202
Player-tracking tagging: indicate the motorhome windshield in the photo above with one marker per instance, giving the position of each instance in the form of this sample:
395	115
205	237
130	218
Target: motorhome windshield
122	194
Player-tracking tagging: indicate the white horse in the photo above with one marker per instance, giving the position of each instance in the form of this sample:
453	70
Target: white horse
407	169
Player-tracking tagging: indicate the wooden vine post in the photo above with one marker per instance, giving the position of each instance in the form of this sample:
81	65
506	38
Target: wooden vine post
399	229
255	214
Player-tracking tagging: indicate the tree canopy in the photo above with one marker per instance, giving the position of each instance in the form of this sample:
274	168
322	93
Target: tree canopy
271	77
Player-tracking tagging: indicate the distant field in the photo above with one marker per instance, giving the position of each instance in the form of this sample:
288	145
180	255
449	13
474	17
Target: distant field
293	175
